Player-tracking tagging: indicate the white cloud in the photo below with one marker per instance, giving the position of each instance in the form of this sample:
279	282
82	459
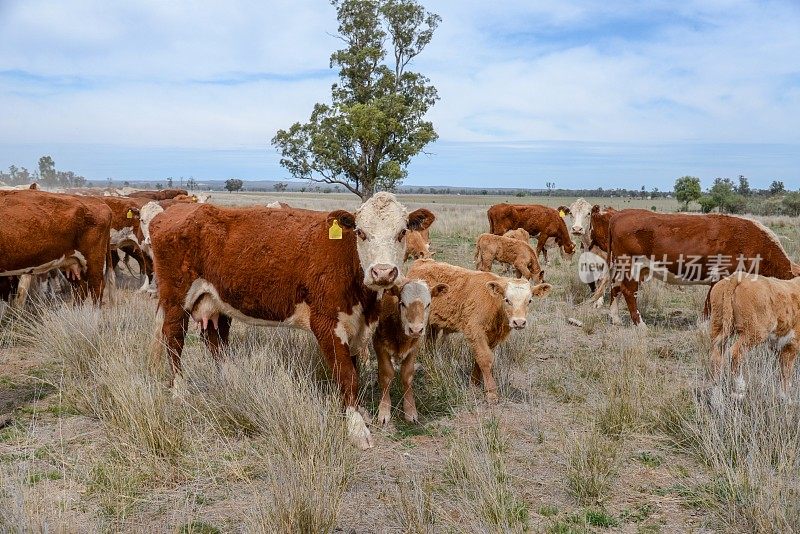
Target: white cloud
575	70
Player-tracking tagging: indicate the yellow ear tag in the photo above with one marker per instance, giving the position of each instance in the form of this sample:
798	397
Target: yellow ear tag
335	231
129	215
561	214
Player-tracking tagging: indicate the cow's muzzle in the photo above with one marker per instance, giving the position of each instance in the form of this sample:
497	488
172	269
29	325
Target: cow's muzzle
518	324
383	275
415	330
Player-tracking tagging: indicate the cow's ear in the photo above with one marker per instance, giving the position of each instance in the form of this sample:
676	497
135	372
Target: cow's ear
565	210
497	288
595	209
540	290
344	217
439	289
394	291
541	276
420	219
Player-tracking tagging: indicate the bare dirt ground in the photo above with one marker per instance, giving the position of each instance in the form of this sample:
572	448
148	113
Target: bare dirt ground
599	428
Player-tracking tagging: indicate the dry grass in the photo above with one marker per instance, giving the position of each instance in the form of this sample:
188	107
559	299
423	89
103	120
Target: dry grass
599	426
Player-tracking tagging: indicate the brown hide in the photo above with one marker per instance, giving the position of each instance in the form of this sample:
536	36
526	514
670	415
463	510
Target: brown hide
163	194
38	228
536	220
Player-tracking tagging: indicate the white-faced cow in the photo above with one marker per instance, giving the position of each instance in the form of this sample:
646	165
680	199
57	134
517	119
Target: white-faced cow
314	270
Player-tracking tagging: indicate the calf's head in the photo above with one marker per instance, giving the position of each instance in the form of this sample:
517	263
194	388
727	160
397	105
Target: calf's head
381	224
517	295
415	305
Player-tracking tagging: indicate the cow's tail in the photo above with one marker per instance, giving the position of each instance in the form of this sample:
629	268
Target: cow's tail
110	279
491	221
728	296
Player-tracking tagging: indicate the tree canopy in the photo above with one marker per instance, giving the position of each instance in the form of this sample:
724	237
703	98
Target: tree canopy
365	138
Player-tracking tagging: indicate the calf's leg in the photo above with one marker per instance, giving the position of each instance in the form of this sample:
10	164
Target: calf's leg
787	357
385	376
484	357
407	374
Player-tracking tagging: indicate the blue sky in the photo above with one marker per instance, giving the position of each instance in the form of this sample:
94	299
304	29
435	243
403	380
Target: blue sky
614	93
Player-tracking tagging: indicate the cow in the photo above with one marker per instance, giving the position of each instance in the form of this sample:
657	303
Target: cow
313	270
541	221
483	306
514	252
163	194
520	233
757	309
683	249
44	231
418	245
401	324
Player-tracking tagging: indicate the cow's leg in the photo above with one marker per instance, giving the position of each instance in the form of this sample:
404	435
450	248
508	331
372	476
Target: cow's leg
407	374
385	376
787	356
707	305
23	288
613	308
337	353
629	288
541	248
484	357
739	349
216	336
173	334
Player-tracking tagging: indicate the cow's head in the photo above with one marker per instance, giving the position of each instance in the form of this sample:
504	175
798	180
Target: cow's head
581	217
414	301
517	294
380	225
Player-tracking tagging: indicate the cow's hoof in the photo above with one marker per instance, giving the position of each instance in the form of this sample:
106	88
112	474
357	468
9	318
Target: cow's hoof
384	416
357	429
598	304
411	416
492	397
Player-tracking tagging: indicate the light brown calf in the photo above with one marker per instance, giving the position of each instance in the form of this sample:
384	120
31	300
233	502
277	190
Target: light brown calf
418	245
402	321
520	233
483	306
514	252
757	309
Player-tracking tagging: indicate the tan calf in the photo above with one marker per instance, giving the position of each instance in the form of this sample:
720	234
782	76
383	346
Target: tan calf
403	317
483	306
520	234
757	309
418	245
514	252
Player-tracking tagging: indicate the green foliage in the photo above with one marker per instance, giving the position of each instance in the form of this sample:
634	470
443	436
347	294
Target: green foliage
776	187
687	189
791	203
233	184
374	125
744	186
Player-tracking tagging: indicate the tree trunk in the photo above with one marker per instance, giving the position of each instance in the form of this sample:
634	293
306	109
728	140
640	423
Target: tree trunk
367	190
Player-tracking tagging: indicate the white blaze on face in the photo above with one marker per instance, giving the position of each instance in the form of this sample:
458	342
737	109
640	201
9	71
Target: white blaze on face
581	217
415	305
517	298
381	224
146	216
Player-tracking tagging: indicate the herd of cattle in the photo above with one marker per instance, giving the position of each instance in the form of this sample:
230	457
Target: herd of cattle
339	274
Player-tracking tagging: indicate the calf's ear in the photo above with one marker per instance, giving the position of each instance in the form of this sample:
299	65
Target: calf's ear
497	288
541	276
540	290
439	289
344	217
420	219
595	209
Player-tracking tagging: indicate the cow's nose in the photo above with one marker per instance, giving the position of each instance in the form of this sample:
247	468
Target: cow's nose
384	274
519	323
416	329
577	229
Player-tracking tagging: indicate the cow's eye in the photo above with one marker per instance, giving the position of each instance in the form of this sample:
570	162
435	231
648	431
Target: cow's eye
402	234
530	300
402	304
361	235
507	301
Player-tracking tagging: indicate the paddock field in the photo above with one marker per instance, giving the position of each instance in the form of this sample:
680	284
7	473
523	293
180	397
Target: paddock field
600	428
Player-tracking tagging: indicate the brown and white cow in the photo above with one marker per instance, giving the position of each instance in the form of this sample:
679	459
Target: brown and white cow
757	309
314	270
683	249
419	245
44	231
483	306
403	317
516	253
541	221
163	194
